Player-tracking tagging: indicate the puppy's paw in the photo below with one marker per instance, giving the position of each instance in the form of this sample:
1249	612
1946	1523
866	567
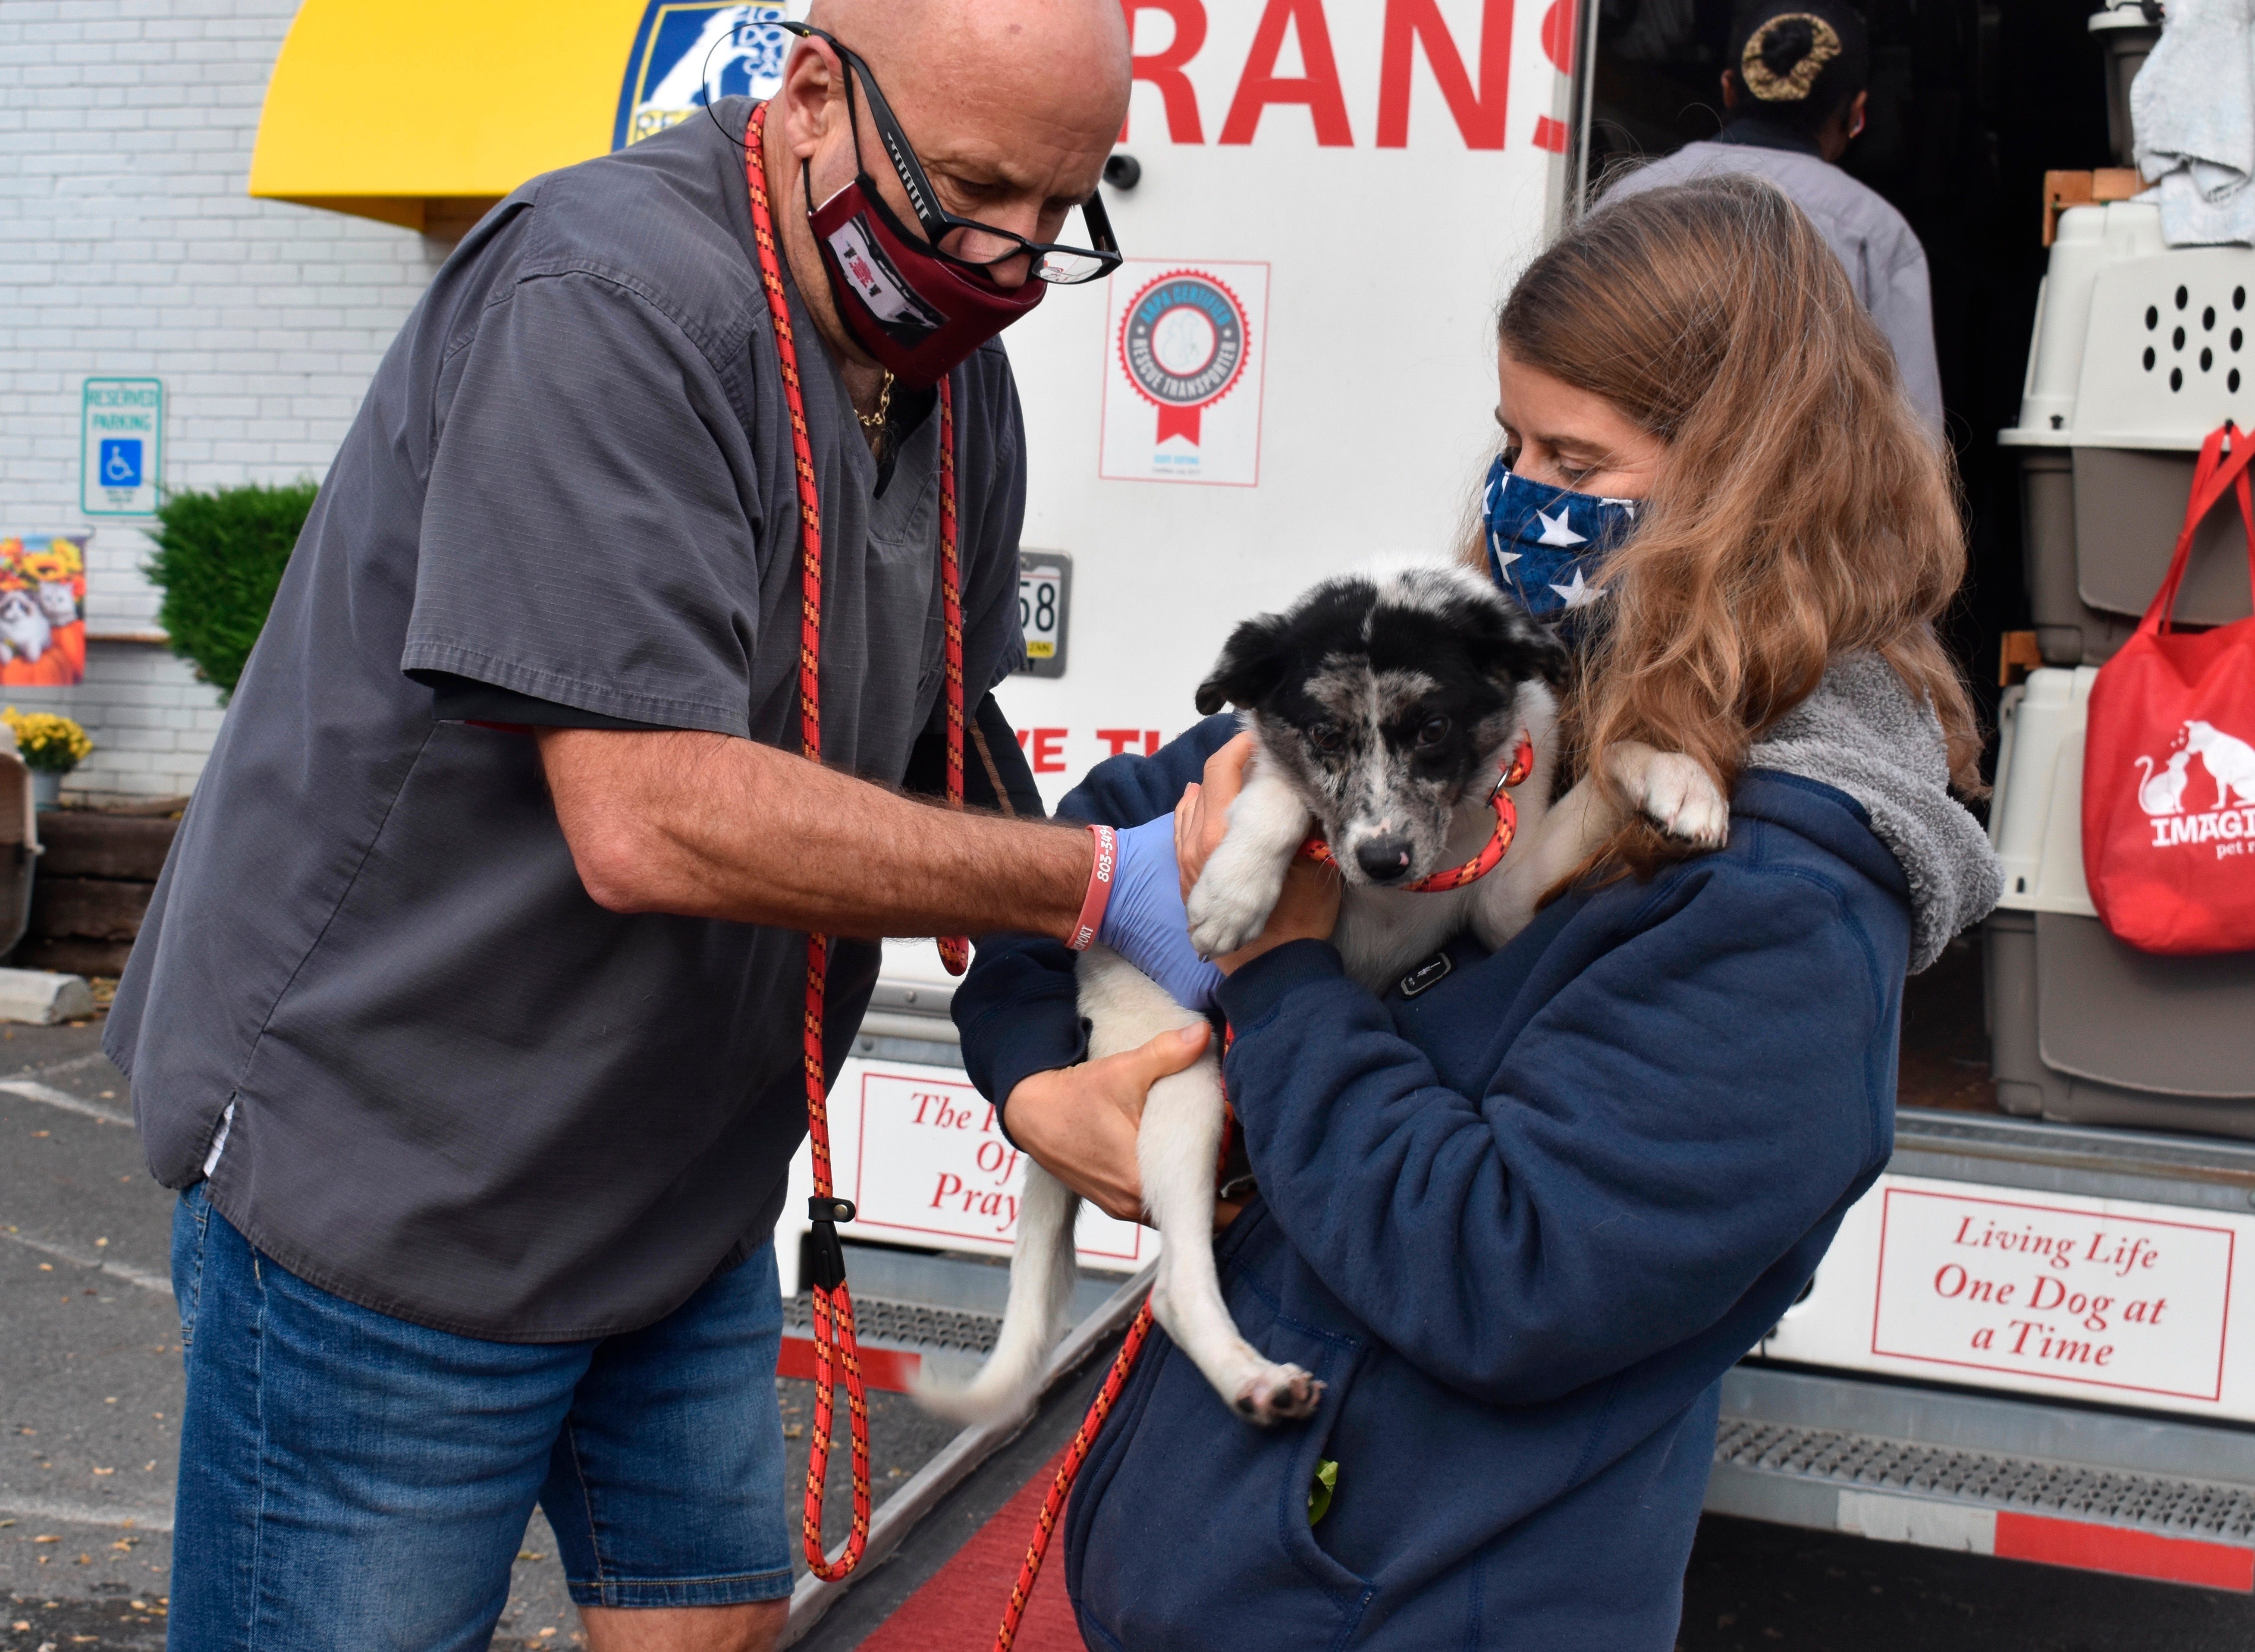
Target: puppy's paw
1677	795
1279	1394
1227	912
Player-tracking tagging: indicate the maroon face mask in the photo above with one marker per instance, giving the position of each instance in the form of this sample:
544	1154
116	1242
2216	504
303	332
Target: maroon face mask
913	311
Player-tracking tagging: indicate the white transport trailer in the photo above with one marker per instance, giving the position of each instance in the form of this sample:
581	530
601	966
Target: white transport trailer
2033	1338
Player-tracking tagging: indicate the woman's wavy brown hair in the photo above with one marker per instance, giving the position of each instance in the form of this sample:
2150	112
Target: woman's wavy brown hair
1804	512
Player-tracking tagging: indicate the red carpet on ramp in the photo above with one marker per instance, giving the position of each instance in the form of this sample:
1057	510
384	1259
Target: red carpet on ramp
960	1605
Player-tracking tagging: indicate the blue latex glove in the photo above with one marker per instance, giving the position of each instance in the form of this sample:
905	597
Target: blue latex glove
1145	922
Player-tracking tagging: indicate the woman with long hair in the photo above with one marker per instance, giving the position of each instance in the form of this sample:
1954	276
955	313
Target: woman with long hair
1521	1222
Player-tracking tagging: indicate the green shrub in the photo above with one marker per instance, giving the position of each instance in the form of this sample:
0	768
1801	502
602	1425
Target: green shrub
219	556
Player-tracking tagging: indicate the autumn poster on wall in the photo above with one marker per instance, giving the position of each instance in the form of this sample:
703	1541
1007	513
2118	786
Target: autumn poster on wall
42	610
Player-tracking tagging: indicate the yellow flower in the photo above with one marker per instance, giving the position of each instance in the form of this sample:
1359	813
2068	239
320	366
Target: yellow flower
45	741
48	567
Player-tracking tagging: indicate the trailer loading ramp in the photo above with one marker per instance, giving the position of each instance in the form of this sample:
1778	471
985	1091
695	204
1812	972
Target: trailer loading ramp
945	1549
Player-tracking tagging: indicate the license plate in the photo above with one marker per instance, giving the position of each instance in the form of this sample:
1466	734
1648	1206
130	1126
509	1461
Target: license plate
1045	593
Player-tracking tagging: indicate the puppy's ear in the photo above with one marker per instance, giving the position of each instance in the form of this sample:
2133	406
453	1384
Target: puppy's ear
1250	667
1511	646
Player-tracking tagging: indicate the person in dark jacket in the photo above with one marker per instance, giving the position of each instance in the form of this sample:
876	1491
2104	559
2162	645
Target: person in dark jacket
1521	1212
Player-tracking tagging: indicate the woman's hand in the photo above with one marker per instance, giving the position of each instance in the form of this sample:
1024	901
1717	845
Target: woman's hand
1080	1123
1308	908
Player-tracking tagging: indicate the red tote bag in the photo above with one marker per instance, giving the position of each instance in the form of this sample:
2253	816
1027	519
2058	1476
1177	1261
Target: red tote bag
2168	764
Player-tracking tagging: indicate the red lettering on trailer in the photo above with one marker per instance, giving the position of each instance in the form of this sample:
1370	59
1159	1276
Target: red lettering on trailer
1478	110
1479	105
1953	1281
2123	1255
1119	740
1048	750
1318	88
1558	35
997	1159
1164	69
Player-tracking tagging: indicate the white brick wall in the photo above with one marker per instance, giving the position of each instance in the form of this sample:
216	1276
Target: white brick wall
127	247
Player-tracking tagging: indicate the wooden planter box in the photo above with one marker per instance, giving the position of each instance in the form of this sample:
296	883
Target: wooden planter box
94	884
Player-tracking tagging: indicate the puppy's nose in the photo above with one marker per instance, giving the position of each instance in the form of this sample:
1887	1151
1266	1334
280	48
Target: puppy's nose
1383	860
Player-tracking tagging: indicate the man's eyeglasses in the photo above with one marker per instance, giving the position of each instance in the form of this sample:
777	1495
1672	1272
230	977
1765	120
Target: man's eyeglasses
1053	262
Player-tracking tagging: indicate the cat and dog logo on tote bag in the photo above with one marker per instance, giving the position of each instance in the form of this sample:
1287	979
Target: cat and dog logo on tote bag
2168	790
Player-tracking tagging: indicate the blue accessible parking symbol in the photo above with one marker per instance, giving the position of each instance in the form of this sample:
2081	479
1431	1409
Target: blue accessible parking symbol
121	462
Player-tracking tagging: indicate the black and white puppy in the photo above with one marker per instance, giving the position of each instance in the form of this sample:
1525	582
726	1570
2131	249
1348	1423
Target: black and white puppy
1385	708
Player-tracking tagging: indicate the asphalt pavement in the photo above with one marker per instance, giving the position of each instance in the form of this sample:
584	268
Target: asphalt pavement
89	1404
90	1371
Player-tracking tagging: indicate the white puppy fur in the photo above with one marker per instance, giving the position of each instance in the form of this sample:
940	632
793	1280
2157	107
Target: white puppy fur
1381	932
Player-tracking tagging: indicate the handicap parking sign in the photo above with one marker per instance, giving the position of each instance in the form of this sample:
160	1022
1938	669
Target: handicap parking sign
121	463
121	451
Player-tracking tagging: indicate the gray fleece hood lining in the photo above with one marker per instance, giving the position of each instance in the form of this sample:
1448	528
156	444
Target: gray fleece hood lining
1863	732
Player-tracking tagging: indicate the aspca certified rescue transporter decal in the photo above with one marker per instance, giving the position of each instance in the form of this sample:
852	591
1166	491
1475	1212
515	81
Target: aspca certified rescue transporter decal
2220	812
1183	345
686	56
1182	395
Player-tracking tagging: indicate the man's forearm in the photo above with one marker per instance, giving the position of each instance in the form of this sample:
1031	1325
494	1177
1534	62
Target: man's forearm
709	826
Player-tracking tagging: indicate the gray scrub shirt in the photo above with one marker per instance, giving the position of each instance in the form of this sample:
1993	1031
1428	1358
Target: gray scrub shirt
463	1094
1875	244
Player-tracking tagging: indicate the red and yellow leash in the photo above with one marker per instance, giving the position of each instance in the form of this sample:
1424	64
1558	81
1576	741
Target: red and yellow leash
835	1343
1075	1454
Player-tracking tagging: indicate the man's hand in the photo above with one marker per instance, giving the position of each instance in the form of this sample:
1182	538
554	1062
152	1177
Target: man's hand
1308	908
1080	1123
1144	921
707	825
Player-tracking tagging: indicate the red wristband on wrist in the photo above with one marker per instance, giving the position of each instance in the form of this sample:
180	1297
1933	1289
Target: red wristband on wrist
1099	891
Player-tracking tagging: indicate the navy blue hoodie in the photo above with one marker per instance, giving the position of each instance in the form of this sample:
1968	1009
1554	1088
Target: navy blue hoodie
1519	1224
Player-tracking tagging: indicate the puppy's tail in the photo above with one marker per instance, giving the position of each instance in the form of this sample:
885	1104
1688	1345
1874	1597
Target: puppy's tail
1041	1278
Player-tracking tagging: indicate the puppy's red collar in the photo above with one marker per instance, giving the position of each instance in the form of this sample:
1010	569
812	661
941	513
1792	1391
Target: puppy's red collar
1507	823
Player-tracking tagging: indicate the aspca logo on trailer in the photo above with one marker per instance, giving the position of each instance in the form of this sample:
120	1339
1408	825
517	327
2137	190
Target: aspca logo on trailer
687	57
2165	790
1182	396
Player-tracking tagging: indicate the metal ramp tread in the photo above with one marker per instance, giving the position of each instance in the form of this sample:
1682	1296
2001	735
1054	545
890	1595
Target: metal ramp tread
2178	1507
944	1551
906	1324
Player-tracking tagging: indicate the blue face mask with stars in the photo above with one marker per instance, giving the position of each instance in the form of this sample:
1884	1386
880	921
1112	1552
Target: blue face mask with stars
1546	546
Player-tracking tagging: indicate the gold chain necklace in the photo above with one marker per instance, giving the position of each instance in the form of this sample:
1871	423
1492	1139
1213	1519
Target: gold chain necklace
877	420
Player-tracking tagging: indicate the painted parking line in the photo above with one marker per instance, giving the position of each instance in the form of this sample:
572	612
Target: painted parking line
32	1090
125	1516
125	1271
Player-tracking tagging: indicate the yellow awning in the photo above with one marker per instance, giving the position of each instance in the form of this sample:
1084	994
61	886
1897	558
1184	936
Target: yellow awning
425	112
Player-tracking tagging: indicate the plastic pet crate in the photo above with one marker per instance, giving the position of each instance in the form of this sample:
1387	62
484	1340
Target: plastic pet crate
2081	1028
2140	350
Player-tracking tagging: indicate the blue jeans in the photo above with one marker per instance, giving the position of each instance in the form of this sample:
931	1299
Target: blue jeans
350	1482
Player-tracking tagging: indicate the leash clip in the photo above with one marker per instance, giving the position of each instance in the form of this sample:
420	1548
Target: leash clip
825	1256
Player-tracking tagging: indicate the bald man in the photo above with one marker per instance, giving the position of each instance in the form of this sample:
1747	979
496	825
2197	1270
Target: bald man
467	1013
